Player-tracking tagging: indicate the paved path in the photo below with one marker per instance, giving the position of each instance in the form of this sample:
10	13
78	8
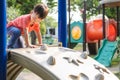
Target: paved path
115	69
27	75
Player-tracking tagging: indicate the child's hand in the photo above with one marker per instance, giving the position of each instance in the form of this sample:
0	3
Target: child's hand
39	44
32	46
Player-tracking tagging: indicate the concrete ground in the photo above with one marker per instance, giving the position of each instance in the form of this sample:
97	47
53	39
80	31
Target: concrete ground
27	75
114	69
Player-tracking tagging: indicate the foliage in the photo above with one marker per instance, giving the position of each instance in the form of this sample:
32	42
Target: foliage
118	75
25	6
92	7
43	28
116	58
12	13
50	22
118	47
51	4
110	12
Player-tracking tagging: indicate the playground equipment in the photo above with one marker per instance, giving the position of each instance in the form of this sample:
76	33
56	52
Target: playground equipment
107	50
36	60
95	31
62	22
3	40
100	29
56	63
76	29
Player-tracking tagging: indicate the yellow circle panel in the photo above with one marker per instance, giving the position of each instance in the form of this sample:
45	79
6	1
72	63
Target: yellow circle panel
76	32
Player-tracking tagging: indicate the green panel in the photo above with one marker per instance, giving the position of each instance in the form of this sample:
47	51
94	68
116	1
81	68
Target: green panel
72	26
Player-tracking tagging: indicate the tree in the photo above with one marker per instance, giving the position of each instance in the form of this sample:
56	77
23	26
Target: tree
51	4
43	28
93	7
12	13
25	6
51	22
110	12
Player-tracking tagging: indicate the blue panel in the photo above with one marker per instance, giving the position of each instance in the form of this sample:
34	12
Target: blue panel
3	40
62	22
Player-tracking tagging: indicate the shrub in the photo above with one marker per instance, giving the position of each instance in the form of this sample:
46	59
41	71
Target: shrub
12	13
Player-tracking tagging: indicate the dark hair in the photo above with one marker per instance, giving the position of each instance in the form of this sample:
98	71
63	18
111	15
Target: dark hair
41	10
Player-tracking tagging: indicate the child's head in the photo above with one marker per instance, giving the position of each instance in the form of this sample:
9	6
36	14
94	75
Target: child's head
41	10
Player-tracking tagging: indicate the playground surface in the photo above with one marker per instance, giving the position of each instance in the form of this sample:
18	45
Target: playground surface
28	75
60	55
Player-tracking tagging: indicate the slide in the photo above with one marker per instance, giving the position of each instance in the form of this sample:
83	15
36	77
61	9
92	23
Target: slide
106	52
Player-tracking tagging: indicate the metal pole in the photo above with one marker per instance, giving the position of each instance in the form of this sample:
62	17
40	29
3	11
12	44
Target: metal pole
3	40
99	40
118	28
69	24
62	22
103	21
84	30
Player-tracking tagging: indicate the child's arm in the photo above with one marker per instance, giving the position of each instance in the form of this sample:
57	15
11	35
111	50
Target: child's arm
39	37
26	39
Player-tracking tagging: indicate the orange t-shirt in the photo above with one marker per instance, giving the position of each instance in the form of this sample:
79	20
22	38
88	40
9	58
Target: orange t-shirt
21	22
34	27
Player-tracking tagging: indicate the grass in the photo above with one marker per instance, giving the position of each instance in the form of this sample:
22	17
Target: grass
78	47
118	75
116	62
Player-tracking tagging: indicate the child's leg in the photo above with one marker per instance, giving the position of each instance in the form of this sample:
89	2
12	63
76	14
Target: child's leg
33	37
14	34
19	43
